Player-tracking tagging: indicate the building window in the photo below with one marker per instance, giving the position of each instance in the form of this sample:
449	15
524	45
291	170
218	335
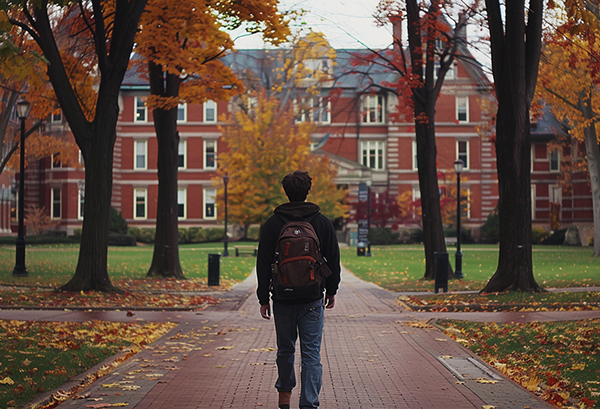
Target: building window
210	206
80	203
56	162
554	157
56	118
210	154
141	148
182	112
56	205
416	203
462	109
210	111
315	110
462	152
181	155
181	201
372	154
415	159
140	206
372	110
141	110
450	74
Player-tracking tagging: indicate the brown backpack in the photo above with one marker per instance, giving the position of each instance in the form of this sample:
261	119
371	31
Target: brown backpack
299	266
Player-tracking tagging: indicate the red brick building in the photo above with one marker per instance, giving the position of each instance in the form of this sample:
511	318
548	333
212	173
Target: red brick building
356	129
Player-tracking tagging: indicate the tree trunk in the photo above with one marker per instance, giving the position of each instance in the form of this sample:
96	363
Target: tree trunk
593	161
165	260
516	49
515	267
433	229
91	272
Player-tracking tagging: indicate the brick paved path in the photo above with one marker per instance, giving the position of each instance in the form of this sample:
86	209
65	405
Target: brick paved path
375	355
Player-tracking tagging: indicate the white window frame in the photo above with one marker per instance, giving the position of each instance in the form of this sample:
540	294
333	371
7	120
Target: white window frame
56	164
555	192
210	198
366	147
80	201
207	106
182	152
140	113
415	164
56	118
208	142
550	161
143	194
182	110
374	102
54	202
416	195
318	110
182	201
140	150
464	156
462	107
450	74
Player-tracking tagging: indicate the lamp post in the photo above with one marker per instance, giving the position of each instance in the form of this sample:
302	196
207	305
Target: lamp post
458	167
226	236
369	182
20	270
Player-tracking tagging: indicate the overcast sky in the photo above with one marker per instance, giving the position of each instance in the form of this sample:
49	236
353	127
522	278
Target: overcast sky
345	23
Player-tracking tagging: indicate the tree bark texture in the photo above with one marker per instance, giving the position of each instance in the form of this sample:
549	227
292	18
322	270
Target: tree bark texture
165	260
593	161
515	59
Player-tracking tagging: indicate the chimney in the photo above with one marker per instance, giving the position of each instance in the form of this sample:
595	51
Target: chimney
396	34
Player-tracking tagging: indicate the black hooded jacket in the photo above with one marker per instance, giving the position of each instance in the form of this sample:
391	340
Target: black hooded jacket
269	233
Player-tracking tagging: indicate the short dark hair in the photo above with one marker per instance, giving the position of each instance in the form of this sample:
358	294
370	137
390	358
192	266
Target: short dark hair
297	185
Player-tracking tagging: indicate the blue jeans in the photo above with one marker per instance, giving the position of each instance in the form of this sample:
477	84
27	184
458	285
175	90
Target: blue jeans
305	320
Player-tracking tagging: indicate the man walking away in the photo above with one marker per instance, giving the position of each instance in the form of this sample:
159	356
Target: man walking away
298	310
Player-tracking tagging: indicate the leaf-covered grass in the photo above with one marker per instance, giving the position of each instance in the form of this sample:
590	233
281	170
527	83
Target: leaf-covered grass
401	268
510	301
559	361
41	356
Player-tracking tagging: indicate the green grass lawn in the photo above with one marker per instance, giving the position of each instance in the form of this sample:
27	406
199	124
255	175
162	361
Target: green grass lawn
53	265
401	268
397	268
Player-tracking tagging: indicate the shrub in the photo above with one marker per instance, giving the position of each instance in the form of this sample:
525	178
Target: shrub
555	239
115	239
253	233
538	235
214	234
195	235
117	222
183	236
383	236
144	235
490	230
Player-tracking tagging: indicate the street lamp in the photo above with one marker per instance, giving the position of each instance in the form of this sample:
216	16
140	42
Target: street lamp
225	237
458	167
20	270
369	182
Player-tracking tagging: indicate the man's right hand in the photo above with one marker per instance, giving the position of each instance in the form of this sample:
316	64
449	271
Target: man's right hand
265	311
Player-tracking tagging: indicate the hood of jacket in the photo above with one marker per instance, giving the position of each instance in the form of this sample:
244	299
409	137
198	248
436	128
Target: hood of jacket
293	210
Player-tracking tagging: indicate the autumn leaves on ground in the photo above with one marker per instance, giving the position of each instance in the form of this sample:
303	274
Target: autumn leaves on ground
559	361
